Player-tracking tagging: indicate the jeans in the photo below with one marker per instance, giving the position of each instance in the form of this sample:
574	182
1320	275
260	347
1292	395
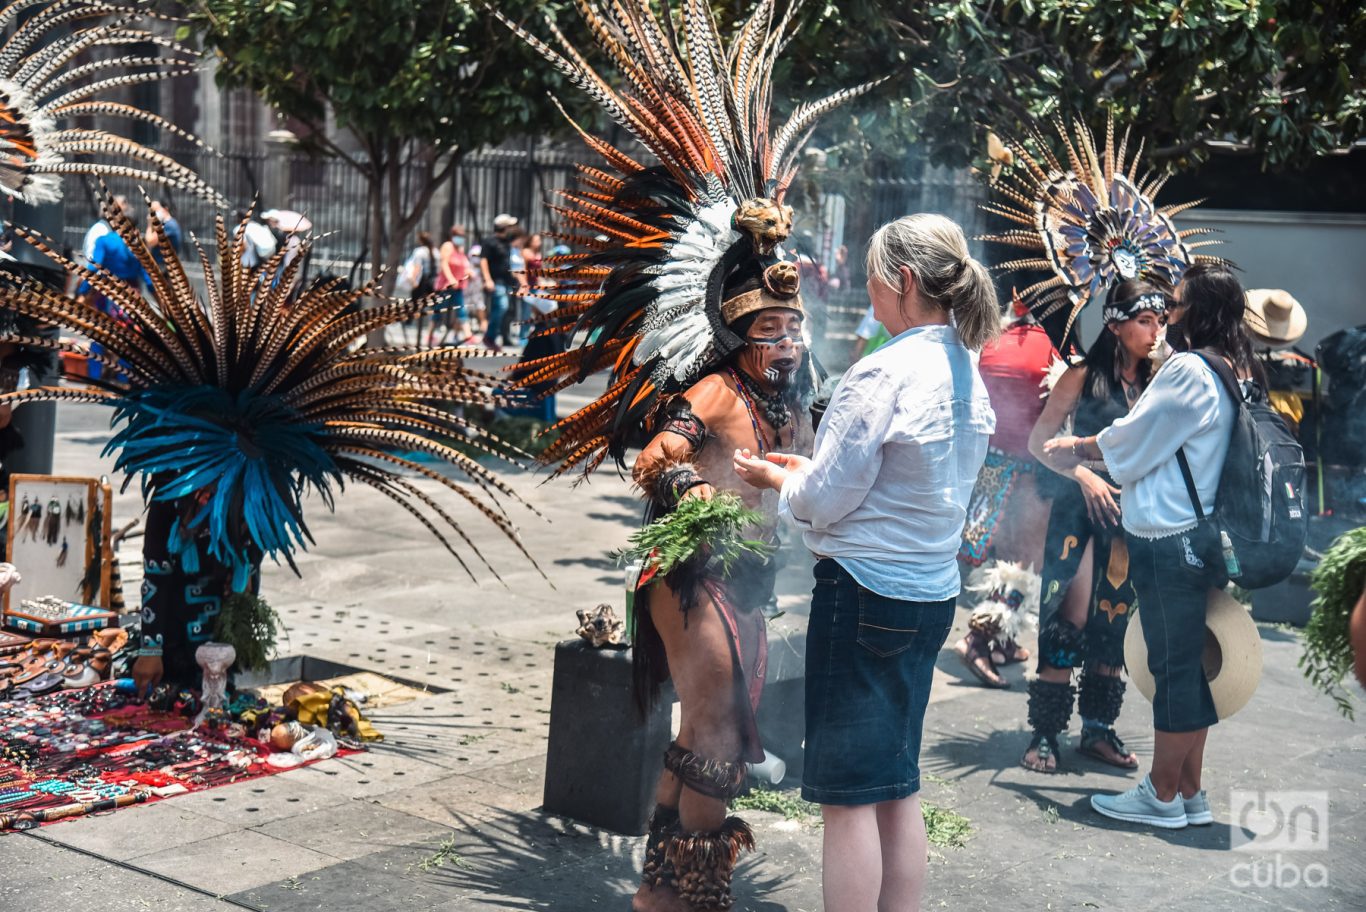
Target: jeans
1173	576
497	308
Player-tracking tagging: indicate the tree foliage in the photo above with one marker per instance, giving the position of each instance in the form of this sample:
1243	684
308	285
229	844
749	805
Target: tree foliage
419	83
1282	79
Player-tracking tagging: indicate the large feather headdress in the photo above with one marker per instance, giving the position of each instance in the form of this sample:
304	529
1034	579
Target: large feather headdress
43	85
1090	218
257	396
660	241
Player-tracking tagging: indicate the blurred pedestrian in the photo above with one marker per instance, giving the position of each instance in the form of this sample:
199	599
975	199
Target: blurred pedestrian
1001	542
169	225
499	283
453	275
882	505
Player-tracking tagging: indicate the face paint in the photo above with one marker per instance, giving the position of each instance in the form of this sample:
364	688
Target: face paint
774	359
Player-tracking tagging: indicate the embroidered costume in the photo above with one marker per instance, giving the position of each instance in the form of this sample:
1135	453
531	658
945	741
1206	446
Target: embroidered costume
674	294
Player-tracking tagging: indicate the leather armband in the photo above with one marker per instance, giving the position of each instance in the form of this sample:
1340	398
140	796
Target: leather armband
679	419
676	481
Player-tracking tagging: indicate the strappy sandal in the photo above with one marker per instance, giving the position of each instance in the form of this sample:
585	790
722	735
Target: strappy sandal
969	650
1044	747
1010	653
1090	738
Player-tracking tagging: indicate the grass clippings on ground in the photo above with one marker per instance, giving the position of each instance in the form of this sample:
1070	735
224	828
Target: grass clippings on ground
946	829
445	854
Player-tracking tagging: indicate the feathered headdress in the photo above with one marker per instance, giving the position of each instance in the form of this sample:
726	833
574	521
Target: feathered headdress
1091	220
661	242
40	88
259	397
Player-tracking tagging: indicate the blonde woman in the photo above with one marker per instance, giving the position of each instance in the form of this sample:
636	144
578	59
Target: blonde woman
882	505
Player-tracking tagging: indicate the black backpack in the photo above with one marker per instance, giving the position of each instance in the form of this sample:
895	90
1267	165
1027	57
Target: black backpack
1259	509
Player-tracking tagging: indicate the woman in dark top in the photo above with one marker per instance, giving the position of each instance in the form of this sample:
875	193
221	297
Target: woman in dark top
1087	596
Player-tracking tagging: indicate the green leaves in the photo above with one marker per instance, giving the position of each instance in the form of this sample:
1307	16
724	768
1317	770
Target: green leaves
1338	581
428	71
251	626
697	528
1187	73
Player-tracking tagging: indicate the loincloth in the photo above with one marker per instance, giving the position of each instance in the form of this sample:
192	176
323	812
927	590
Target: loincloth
737	598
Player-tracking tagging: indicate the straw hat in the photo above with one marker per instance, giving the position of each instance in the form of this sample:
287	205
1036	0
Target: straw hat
1274	318
1232	660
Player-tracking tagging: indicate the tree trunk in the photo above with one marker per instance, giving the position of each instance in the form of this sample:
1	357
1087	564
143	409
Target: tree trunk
395	214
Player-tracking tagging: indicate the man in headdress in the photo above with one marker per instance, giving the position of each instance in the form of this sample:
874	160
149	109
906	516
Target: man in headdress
700	625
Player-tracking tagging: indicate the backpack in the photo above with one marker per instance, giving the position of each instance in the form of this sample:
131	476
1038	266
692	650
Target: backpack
1259	509
426	280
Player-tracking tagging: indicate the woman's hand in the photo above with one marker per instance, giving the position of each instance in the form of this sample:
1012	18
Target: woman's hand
147	672
769	472
1065	453
1100	497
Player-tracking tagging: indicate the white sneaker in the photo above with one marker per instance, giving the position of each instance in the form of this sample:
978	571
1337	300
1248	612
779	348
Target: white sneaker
1140	804
1197	809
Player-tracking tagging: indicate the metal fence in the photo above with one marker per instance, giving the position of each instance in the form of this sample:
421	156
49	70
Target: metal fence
332	194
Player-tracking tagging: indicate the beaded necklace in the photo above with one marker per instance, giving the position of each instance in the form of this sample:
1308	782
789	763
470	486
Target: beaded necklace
747	398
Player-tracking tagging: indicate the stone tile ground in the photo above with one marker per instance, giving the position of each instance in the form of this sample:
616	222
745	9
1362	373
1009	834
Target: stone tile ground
460	774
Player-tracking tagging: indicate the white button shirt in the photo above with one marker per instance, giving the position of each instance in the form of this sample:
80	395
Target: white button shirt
1184	406
897	455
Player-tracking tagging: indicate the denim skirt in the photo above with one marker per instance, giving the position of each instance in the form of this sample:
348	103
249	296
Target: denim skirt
869	664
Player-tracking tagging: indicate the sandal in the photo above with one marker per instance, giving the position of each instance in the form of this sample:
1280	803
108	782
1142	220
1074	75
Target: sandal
1010	653
970	650
1045	747
1090	737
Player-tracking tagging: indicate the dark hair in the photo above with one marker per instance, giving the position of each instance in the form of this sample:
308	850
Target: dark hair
1215	305
1102	358
425	239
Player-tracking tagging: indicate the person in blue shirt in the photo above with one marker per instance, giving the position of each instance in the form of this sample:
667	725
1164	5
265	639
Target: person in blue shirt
108	251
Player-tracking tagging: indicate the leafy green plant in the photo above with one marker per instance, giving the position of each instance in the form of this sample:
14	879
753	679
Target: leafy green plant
1338	581
712	525
251	626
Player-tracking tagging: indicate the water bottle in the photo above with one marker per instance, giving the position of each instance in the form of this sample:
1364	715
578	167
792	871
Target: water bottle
1230	559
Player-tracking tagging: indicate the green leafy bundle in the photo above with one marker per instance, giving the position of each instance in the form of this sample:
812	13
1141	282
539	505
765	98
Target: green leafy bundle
251	626
697	526
1338	580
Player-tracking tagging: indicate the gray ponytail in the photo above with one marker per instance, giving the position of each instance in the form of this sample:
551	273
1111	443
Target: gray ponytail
935	250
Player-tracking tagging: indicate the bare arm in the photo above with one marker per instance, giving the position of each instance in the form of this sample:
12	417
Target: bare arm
679	442
445	254
1062	401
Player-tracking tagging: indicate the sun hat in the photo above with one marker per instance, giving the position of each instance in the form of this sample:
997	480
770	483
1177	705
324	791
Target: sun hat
1232	659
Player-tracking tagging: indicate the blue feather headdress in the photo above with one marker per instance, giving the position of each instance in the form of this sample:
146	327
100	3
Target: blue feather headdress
240	406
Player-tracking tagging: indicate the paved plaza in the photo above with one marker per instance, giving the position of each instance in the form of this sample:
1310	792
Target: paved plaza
444	815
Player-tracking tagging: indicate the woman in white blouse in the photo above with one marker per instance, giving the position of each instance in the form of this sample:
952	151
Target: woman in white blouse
1174	559
882	504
